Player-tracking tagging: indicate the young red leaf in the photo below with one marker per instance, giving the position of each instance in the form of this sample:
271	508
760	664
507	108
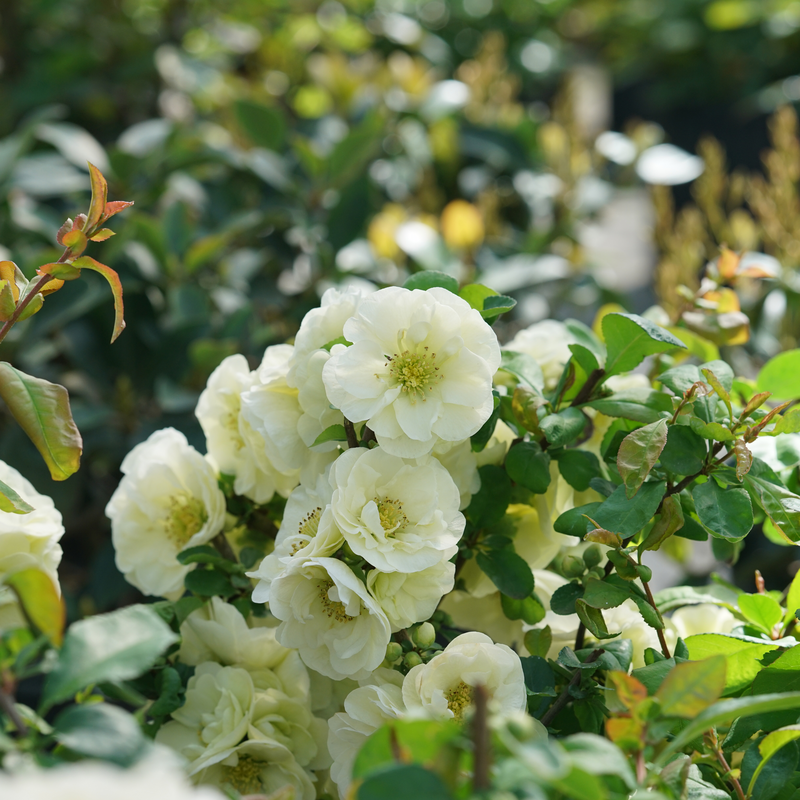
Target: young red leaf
64	230
97	206
87	262
114	207
744	458
102	235
64	272
638	454
76	241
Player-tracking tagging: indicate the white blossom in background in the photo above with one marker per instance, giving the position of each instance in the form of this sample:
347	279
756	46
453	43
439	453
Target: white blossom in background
462	464
158	776
29	540
419	369
327	613
548	343
443	688
232	443
366	709
408	598
398	515
168	500
700	618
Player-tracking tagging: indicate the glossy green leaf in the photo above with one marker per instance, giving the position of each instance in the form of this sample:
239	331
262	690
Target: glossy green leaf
530	610
727	513
774	775
529	466
585	357
627	516
669	521
428	279
782	675
107	647
691	687
575	522
508	571
11	502
743	657
577	467
638	454
685	452
761	610
638	404
562	428
402	781
524	367
489	503
496	305
333	433
781	376
41	602
100	731
711	430
630	339
592	618
781	505
538	640
603	594
770	745
42	410
563	600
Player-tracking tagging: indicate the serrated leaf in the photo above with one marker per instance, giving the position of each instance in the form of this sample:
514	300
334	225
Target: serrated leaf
7	302
727	513
563	600
429	278
102	234
769	746
638	454
630	339
42	410
62	272
87	262
208	582
41	602
333	433
107	647
476	294
627	516
585	357
508	571
496	305
563	427
639	404
529	466
691	687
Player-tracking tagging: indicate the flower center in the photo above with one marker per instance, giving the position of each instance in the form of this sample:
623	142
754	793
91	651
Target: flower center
186	516
415	372
393	520
230	422
309	525
245	777
332	608
458	697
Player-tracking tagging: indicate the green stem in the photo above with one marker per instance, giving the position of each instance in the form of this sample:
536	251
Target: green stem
661	638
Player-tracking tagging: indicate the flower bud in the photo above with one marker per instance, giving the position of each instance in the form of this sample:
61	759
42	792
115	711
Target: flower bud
393	652
572	566
425	635
592	556
412	659
645	573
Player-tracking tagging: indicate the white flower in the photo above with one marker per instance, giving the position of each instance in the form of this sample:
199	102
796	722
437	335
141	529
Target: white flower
218	632
168	500
29	540
548	342
700	618
626	620
153	777
564	627
234	446
462	464
399	516
443	688
252	768
484	614
327	613
408	598
307	529
419	369
366	709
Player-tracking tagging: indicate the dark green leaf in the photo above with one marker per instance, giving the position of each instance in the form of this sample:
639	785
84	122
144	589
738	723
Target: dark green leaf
100	731
630	339
685	451
638	404
265	126
489	503
563	427
727	513
780	505
592	618
627	516
577	467
170	693
496	305
574	522
509	572
208	582
480	439
563	600
428	278
529	466
602	594
401	782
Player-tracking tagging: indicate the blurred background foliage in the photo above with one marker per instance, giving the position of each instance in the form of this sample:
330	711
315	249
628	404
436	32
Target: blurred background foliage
274	148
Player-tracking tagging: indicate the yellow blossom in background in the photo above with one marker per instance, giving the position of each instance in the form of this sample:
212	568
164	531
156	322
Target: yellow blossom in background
382	229
462	225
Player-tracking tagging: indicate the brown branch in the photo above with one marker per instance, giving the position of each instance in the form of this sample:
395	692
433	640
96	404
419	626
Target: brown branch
661	639
10	710
713	743
350	430
585	392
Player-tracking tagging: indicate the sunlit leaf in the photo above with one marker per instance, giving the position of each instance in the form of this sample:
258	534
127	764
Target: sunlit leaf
638	454
87	262
691	687
97	206
40	601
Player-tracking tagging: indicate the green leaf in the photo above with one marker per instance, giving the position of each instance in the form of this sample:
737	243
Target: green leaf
351	154
779	504
100	731
724	711
170	693
41	602
563	600
770	745
530	610
489	503
11	502
333	433
782	675
97	205
781	376
761	610
711	430
496	305
592	618
669	521
627	516
508	571
727	513
265	126
685	452
42	410
577	467
428	278
574	522
523	367
599	756
208	582
476	295
681	378
691	687
638	404
721	391
107	647
401	781
630	339
529	466
793	597
538	640
561	428
744	657
677	596
87	262
775	770
638	454
585	358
